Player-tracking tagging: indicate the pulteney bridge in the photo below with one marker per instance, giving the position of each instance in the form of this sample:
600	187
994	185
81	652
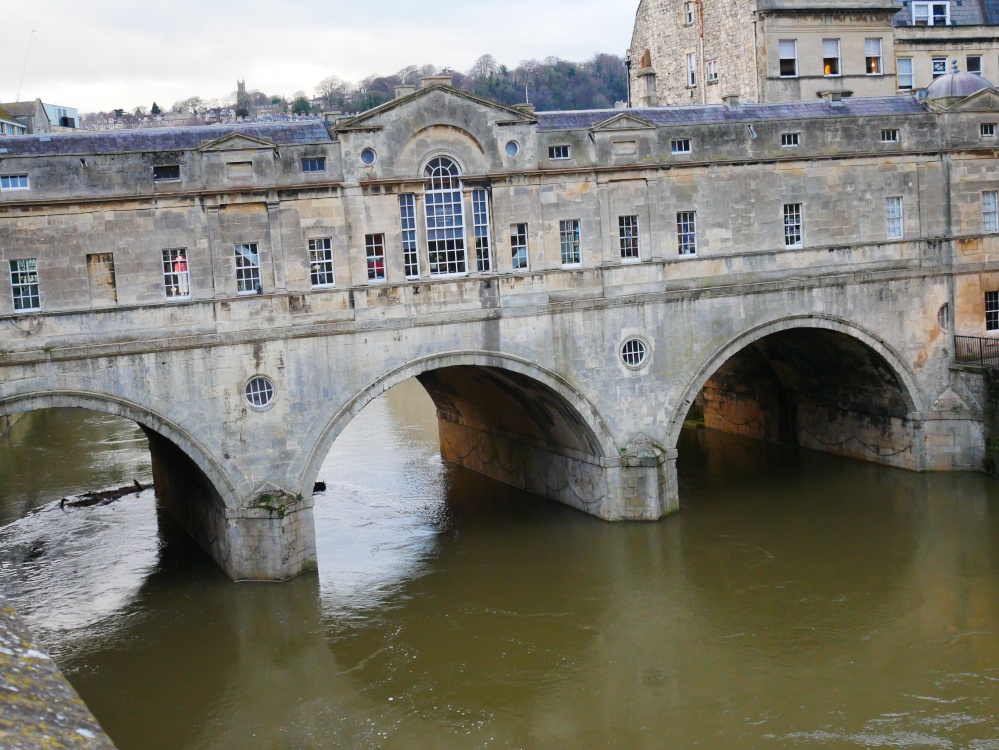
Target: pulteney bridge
565	286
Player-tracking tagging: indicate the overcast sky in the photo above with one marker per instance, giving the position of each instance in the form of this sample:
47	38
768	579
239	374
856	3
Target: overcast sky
101	54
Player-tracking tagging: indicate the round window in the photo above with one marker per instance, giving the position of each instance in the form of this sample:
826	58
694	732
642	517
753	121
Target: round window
512	148
368	156
259	392
634	352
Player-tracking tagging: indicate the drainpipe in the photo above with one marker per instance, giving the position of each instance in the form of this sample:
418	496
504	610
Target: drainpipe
700	48
627	64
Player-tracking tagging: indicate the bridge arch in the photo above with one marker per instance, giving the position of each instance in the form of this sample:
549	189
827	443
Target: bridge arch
848	351
566	422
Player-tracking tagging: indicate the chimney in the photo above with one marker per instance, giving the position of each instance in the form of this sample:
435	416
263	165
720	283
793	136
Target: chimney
330	118
527	109
731	100
401	91
646	84
834	97
441	80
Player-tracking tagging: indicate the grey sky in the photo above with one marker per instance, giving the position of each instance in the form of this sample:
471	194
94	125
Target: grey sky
101	54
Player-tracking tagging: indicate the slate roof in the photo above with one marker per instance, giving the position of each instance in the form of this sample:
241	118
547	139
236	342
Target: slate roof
716	113
159	139
965	13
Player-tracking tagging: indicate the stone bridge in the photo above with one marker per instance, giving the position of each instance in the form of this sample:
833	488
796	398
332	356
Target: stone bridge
571	380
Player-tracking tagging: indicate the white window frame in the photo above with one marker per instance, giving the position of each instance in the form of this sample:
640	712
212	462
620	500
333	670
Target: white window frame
686	233
990	211
680	146
374	257
691	70
445	216
247	268
889	135
893	217
482	230
410	242
176	274
309	161
559	152
688	13
712	71
987	129
629	239
838	57
25	287
967	63
322	274
568	236
794	225
781	58
923	8
900	74
7	182
790	140
873	57
938	66
519	251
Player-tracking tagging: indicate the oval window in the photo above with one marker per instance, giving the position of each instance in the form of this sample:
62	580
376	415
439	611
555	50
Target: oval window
259	392
368	156
634	352
512	148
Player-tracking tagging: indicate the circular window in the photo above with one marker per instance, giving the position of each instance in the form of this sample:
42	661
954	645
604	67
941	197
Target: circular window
634	352
368	156
259	392
512	148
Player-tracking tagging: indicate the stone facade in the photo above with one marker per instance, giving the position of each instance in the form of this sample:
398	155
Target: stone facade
521	348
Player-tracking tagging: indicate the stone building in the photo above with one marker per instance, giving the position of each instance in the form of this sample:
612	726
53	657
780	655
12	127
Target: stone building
564	284
700	51
30	114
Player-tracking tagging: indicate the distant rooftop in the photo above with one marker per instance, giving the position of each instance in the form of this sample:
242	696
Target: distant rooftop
159	139
711	113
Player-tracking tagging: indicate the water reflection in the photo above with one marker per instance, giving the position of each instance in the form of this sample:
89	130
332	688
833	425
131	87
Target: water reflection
798	600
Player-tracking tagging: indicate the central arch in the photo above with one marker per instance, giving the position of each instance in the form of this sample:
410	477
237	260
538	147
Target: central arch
838	377
505	417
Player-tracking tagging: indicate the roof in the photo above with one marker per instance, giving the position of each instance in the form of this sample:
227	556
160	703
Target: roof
20	109
5	115
718	113
956	84
160	139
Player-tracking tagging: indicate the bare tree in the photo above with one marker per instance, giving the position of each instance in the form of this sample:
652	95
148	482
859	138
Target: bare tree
484	67
330	90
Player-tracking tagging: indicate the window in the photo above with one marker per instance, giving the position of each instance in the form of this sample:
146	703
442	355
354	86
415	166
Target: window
792	225
368	156
790	140
686	232
873	49
691	70
558	152
634	352
712	71
688	13
247	269
480	220
680	146
903	67
445	220
627	228
889	135
24	285
410	248
893	213
987	129
830	57
939	66
259	392
314	164
374	251
14	182
930	14
973	64
518	246
990	211
166	172
568	234
321	262
788	58
176	276
992	311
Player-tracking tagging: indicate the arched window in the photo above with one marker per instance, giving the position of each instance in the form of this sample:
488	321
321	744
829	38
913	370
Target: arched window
445	225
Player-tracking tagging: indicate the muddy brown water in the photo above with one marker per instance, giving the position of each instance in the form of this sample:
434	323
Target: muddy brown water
798	600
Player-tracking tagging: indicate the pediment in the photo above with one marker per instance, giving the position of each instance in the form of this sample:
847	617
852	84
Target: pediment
375	119
237	142
623	121
986	100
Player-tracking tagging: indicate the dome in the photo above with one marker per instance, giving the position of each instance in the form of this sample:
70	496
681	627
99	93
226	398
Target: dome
956	85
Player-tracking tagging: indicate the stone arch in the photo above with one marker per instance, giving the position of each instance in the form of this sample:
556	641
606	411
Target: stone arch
598	438
142	416
441	139
681	396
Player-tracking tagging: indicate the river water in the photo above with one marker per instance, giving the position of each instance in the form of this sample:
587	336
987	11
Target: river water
798	600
